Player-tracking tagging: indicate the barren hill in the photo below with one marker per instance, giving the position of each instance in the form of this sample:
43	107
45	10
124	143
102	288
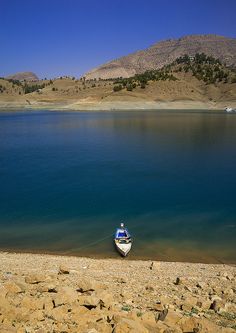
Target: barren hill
21	76
165	52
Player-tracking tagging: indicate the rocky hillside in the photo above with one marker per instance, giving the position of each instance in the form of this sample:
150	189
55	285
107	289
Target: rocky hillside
165	52
23	76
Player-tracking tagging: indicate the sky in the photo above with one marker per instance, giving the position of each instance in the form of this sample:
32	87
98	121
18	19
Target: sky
69	37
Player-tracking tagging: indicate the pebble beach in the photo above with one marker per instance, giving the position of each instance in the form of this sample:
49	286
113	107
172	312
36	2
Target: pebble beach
49	293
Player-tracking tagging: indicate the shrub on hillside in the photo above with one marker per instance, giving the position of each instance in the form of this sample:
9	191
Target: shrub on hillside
117	88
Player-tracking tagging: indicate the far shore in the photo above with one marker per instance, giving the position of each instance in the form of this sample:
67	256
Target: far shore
115	106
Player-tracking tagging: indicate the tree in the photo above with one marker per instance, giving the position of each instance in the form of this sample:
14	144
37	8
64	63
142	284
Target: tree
129	87
117	88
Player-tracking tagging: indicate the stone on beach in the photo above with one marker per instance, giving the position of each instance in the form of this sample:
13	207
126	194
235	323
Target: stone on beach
36	278
114	296
63	269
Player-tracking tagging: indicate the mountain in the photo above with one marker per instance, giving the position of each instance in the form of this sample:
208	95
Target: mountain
165	52
21	76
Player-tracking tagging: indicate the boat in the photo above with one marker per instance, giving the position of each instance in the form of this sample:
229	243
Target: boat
123	241
228	109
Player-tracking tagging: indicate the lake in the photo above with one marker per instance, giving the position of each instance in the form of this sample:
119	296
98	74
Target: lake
67	180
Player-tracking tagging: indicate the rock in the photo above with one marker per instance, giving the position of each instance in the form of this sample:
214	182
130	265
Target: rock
32	303
65	295
78	312
204	304
189	324
230	307
89	301
63	269
48	304
179	281
8	329
149	288
126	325
36	278
172	318
149	317
162	315
121	280
229	277
59	314
86	286
216	298
201	285
188	303
51	287
3	292
186	307
12	287
98	323
5	305
228	292
37	315
217	304
20	315
164	300
106	299
157	307
188	289
207	326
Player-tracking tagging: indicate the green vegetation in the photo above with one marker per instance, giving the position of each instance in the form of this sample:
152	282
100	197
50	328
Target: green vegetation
126	308
2	88
31	88
117	88
141	80
203	67
15	82
228	315
26	87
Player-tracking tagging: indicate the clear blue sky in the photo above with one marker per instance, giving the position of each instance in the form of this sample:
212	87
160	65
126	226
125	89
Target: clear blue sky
59	37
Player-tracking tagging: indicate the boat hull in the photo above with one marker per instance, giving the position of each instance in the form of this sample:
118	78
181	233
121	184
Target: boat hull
123	249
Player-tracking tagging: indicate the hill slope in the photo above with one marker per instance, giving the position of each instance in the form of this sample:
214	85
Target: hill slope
165	52
199	82
21	76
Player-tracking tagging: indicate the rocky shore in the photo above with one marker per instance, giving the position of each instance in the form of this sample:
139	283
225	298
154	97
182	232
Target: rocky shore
48	293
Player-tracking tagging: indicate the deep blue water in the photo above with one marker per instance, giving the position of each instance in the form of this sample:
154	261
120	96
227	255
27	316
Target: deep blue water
67	179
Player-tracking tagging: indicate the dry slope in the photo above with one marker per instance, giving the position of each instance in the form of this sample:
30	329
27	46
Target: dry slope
165	52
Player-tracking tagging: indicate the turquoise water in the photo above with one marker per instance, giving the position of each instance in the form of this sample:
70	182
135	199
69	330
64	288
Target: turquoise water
69	178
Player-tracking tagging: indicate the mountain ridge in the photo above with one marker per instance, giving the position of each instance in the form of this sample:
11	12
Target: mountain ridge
23	76
166	51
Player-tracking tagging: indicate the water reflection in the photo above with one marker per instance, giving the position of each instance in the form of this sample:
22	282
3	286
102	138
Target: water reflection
67	179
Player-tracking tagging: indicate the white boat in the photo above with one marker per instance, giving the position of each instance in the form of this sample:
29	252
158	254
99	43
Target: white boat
123	241
229	109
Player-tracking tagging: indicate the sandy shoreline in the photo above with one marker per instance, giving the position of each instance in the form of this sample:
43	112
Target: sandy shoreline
52	293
